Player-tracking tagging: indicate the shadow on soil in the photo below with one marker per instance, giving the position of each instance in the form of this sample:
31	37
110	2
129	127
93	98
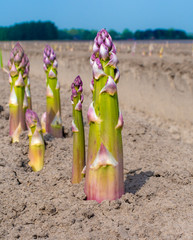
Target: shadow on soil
134	181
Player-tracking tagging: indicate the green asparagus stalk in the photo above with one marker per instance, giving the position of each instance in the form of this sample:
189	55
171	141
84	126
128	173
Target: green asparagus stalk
78	131
104	167
18	99
53	108
36	141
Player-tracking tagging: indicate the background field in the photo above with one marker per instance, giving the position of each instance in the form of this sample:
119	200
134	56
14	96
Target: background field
156	98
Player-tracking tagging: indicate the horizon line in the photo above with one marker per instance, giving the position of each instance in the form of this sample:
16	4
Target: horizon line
95	29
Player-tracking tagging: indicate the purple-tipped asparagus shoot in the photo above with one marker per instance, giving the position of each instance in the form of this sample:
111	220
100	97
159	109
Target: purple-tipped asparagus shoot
27	83
53	107
36	141
78	131
18	98
104	167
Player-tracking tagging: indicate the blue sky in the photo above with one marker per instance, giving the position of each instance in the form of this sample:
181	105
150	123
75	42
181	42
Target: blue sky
96	14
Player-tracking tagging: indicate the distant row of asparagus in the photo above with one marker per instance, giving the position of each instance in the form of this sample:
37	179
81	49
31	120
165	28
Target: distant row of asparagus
104	165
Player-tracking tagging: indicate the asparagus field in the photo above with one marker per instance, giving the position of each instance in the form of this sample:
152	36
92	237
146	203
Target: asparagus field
155	93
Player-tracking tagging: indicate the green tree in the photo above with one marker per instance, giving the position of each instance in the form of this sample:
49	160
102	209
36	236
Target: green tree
126	34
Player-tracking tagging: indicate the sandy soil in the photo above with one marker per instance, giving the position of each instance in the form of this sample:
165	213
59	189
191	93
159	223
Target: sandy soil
156	99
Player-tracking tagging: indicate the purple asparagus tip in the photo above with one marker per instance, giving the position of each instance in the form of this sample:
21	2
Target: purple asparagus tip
31	118
17	56
102	44
49	58
76	87
18	61
18	49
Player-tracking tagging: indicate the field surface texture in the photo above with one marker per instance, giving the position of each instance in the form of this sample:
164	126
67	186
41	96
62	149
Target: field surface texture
156	99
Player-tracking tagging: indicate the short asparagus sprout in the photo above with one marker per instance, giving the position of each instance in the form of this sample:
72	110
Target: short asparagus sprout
36	141
78	131
161	52
53	107
18	103
104	167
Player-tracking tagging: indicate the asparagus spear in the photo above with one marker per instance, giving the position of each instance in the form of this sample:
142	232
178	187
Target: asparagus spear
1	59
104	167
36	141
18	99
53	108
78	131
27	83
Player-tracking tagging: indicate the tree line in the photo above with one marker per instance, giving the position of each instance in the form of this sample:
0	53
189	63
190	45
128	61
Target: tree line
48	31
